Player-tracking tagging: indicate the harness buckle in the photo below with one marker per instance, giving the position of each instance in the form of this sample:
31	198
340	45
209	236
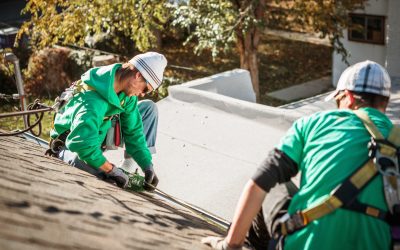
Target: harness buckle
387	163
56	145
291	223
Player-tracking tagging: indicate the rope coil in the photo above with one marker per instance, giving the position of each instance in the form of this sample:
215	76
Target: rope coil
36	109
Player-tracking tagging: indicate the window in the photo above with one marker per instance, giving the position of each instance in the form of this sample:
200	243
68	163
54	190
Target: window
367	28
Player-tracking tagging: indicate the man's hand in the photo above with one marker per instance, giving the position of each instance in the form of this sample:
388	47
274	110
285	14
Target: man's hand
218	243
150	178
117	175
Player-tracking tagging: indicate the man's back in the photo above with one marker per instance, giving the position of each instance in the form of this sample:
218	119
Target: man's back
328	147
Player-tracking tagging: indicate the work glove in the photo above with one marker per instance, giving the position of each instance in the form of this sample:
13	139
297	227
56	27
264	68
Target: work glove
150	178
218	243
117	175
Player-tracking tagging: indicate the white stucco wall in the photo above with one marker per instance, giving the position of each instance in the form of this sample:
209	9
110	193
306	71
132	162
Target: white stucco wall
235	83
375	7
362	51
393	39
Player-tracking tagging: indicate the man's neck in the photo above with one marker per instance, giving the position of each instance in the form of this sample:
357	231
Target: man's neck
117	86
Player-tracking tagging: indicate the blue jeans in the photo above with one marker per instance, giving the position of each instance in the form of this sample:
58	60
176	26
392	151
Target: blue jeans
148	111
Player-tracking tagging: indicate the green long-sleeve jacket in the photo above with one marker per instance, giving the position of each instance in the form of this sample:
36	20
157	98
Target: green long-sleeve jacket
84	117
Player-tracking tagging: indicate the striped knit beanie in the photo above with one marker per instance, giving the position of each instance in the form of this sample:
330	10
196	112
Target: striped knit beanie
151	65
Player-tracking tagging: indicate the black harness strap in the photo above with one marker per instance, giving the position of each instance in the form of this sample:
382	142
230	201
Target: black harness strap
363	208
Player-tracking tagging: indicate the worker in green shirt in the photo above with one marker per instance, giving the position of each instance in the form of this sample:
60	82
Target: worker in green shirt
326	148
108	92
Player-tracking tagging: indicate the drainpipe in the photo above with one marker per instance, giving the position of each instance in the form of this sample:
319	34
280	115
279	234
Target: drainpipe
10	57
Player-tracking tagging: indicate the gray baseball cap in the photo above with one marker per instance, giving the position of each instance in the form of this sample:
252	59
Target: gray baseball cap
366	76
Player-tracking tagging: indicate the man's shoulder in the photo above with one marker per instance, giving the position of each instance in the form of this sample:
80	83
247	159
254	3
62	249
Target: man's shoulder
325	116
325	119
91	97
329	113
343	118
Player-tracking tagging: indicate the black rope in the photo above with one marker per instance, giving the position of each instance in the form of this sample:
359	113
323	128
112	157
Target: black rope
37	109
39	116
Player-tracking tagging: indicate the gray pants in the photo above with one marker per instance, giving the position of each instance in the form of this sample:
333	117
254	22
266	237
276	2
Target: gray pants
149	113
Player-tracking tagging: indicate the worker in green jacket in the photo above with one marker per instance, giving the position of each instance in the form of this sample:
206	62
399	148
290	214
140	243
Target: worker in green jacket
106	92
326	148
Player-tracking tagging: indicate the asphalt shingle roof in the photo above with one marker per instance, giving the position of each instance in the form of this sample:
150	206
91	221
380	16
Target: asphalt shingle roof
46	204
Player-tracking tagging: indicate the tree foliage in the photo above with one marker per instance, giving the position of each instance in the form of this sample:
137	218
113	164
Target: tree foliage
214	24
70	22
209	22
218	25
7	85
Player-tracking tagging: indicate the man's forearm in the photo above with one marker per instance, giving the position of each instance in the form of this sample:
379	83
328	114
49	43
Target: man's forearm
249	205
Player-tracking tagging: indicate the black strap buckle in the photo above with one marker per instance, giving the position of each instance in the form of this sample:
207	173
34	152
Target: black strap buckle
56	144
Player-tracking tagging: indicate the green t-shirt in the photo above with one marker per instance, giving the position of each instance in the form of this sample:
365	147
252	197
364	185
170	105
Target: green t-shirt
328	147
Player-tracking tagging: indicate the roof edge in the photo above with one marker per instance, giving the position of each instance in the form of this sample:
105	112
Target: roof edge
231	105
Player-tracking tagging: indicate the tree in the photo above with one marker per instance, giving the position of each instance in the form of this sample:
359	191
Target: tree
218	24
70	22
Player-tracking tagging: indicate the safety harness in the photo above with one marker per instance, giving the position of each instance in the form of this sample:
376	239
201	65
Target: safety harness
114	134
383	161
75	88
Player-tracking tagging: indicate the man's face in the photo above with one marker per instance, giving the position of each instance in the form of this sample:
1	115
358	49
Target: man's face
137	86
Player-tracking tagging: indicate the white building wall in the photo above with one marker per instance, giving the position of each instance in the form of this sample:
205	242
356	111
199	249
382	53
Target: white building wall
362	51
234	83
375	7
393	39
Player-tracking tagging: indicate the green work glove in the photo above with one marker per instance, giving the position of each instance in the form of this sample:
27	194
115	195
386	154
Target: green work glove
150	178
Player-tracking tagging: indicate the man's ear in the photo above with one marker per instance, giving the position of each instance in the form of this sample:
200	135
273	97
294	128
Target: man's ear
350	99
